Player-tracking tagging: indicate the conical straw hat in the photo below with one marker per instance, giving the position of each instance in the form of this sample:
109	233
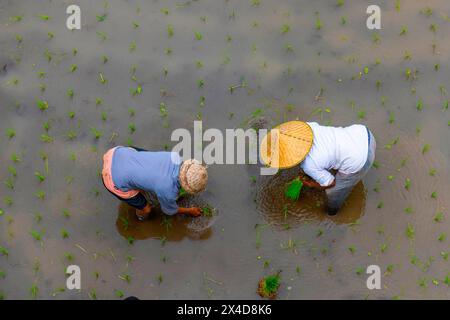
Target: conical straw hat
294	140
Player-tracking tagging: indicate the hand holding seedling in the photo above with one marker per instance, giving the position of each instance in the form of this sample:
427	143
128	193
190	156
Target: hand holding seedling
315	185
193	212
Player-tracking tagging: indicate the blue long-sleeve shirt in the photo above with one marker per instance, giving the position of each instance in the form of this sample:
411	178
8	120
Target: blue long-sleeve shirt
149	171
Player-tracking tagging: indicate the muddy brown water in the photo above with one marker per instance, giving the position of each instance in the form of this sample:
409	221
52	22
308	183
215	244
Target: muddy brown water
305	73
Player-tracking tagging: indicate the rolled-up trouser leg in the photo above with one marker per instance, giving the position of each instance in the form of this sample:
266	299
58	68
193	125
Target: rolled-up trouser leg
345	183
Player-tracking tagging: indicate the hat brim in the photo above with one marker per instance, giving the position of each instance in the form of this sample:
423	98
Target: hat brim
294	139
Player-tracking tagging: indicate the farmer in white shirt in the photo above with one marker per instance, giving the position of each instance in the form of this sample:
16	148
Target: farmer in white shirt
336	158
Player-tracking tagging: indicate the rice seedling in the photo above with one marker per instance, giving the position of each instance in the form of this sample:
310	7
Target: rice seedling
64	233
70	93
438	217
434	195
285	29
36	235
96	133
293	189
404	30
433	27
407	55
15	158
427	11
132	127
361	114
290	245
46	138
46	126
352	249
208	211
69	256
136	91
165	11
40	194
39	176
376	38
423	282
44	17
319	23
10	133
101	18
426	148
445	255
167	223
163	110
407	183
73	68
340	3
16	18
360	270
92	294
4	251
102	35
410	232
119	294
42	105
8	201
130	240
268	286
391	117
132	47
125	277
170	31
159	278
102	79
447	280
442	237
409	210
34	291
168	51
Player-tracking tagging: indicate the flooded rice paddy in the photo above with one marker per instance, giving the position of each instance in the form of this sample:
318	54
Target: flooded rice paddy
137	70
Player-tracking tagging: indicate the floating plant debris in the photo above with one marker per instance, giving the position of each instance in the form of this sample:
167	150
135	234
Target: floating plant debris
269	285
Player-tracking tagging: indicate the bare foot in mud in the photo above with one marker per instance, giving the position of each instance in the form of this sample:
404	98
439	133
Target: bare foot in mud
144	213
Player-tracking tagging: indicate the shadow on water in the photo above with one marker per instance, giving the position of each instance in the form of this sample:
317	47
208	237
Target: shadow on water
310	207
161	226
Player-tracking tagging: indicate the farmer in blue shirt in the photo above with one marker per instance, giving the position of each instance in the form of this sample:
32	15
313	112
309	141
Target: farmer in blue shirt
129	171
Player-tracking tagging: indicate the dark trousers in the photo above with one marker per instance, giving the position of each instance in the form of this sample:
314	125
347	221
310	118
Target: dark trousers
139	202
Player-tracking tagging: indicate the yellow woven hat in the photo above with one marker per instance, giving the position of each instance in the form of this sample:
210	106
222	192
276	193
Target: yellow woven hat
291	141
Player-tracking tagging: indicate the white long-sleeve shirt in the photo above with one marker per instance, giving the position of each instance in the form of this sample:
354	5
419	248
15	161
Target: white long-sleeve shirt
340	148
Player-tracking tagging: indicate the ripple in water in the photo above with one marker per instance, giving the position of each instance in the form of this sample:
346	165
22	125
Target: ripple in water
310	207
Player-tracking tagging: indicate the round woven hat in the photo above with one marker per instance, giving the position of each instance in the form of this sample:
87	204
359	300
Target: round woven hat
292	139
193	176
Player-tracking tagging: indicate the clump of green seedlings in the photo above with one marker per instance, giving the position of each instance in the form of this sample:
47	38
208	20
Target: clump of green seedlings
268	286
293	189
208	211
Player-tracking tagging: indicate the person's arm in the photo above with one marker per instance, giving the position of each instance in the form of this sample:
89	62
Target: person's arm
169	206
316	185
321	178
194	211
